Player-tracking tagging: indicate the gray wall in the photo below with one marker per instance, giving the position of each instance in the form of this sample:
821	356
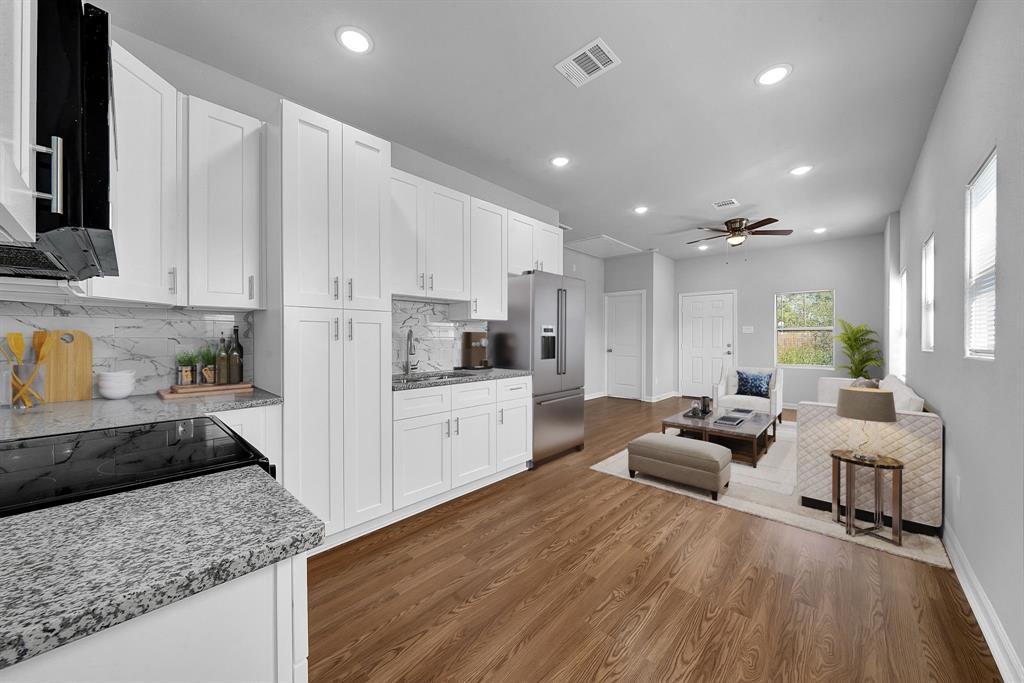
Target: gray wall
981	402
664	328
591	271
853	267
629	273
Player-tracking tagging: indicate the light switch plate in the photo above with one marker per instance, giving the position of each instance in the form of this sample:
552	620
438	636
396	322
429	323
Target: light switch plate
748	329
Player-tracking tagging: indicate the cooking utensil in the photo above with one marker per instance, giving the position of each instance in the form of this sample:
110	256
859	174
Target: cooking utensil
16	343
43	351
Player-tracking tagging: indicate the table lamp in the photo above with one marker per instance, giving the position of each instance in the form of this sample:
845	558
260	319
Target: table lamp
866	405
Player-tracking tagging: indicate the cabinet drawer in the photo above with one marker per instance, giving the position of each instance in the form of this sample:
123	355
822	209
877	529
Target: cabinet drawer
514	387
425	401
473	394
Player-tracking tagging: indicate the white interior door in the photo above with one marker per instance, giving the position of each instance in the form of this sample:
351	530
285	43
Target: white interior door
624	335
708	344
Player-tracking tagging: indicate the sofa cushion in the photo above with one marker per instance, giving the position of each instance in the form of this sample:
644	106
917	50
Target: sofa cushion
903	396
681	451
752	383
761	405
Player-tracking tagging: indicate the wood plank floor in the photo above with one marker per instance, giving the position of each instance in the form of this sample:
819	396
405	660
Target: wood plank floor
566	574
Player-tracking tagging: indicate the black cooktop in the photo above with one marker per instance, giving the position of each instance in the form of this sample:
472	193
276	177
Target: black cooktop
51	470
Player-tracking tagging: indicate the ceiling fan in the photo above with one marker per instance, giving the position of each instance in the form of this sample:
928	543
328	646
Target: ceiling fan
737	230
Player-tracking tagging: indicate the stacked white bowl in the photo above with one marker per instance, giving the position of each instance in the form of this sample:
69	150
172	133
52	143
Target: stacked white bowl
115	384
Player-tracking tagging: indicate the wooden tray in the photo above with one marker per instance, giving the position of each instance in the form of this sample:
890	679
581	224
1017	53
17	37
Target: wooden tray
209	390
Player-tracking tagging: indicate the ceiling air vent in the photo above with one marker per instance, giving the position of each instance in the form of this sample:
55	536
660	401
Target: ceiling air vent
725	203
587	63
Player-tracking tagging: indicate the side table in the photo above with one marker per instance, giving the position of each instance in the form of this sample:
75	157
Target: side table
880	464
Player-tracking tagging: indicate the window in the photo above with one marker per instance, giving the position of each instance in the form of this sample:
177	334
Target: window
980	294
898	325
928	295
804	326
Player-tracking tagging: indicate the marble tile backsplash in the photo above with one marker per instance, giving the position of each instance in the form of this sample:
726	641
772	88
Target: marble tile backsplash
145	340
436	339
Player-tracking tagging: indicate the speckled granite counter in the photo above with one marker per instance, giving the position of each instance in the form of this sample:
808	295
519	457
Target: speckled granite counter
438	379
72	570
80	416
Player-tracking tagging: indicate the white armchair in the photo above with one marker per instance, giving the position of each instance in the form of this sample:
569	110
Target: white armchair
725	395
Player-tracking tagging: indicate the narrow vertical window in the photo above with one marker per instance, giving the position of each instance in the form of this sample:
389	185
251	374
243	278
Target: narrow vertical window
980	281
928	295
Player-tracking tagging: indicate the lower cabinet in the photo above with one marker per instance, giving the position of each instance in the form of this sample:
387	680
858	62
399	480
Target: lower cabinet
423	457
515	432
474	444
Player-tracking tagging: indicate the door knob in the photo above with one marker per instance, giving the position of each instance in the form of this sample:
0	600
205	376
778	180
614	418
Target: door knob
728	353
609	350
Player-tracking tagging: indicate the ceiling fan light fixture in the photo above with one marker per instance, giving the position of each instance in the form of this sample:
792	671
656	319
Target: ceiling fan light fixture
774	75
736	240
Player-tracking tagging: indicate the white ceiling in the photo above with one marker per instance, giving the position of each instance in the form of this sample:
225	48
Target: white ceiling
678	125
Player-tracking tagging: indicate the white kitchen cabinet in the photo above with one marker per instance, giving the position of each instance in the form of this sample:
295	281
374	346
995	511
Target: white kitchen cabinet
515	432
488	271
408	224
313	409
366	231
446	244
311	207
367	422
423	457
474	444
520	243
423	401
471	394
145	220
225	152
547	248
17	120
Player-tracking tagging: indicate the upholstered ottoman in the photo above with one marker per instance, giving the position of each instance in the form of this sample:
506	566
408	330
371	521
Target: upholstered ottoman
691	462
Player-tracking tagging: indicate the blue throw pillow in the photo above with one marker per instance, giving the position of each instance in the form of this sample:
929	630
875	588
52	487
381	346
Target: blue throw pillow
752	383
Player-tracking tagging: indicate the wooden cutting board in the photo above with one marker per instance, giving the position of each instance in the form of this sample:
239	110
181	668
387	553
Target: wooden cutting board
68	366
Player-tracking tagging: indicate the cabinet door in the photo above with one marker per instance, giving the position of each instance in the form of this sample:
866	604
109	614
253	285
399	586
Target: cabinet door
367	426
311	207
488	270
144	186
366	232
474	444
423	458
313	413
446	244
520	243
224	218
17	120
408	220
515	432
547	244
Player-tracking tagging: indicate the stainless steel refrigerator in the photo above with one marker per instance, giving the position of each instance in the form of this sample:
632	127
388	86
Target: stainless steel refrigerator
544	334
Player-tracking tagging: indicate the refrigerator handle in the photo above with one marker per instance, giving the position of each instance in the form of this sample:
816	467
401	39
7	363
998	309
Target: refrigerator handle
560	365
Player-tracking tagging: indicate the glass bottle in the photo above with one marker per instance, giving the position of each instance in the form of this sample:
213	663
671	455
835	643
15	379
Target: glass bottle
238	343
235	359
223	364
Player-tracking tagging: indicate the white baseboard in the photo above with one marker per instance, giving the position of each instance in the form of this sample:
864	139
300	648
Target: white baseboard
596	394
790	406
661	397
1007	659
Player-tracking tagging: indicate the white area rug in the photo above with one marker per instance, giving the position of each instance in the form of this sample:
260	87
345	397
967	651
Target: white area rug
769	491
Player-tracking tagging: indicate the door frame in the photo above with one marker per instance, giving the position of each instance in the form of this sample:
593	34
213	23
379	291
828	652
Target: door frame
643	338
679	329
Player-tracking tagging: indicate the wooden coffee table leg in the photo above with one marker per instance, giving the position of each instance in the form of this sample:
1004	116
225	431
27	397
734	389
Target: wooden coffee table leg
756	450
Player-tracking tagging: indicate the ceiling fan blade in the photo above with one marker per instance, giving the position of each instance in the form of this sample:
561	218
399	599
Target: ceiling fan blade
772	232
706	239
761	223
715	230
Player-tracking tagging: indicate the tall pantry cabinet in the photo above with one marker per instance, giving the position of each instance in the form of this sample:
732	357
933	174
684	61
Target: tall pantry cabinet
333	300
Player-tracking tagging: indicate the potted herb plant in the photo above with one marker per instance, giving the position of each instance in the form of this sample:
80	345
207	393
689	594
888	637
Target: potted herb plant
187	367
206	371
860	344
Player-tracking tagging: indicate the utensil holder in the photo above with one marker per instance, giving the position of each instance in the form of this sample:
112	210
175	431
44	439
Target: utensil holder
27	374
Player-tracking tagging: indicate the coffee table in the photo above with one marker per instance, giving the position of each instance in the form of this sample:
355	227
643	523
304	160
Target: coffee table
748	440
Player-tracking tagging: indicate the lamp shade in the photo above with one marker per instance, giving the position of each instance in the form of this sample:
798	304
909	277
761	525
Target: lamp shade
872	405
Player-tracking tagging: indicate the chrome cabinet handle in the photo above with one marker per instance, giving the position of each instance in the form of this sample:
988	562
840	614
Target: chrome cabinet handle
172	278
335	287
56	193
501	416
350	281
456	426
337	329
474	305
423	277
351	330
252	287
431	282
448	428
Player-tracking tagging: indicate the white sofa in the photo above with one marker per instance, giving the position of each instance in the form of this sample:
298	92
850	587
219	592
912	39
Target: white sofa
725	395
915	438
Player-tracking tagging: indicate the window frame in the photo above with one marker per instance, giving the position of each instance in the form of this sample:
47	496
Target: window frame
898	332
775	330
928	294
991	159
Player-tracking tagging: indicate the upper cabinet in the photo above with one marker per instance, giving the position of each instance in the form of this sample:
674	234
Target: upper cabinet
224	199
408	222
144	187
547	248
17	120
488	277
533	245
334	212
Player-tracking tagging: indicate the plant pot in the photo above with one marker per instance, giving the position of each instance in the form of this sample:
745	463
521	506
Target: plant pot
187	374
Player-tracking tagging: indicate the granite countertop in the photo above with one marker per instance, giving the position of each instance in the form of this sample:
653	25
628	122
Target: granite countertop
438	379
99	413
72	570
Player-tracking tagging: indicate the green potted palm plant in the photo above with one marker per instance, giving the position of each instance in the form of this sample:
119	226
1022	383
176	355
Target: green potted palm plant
860	344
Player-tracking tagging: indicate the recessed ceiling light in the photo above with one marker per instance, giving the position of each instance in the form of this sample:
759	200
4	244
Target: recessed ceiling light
703	247
818	231
775	74
800	170
559	162
355	39
640	210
